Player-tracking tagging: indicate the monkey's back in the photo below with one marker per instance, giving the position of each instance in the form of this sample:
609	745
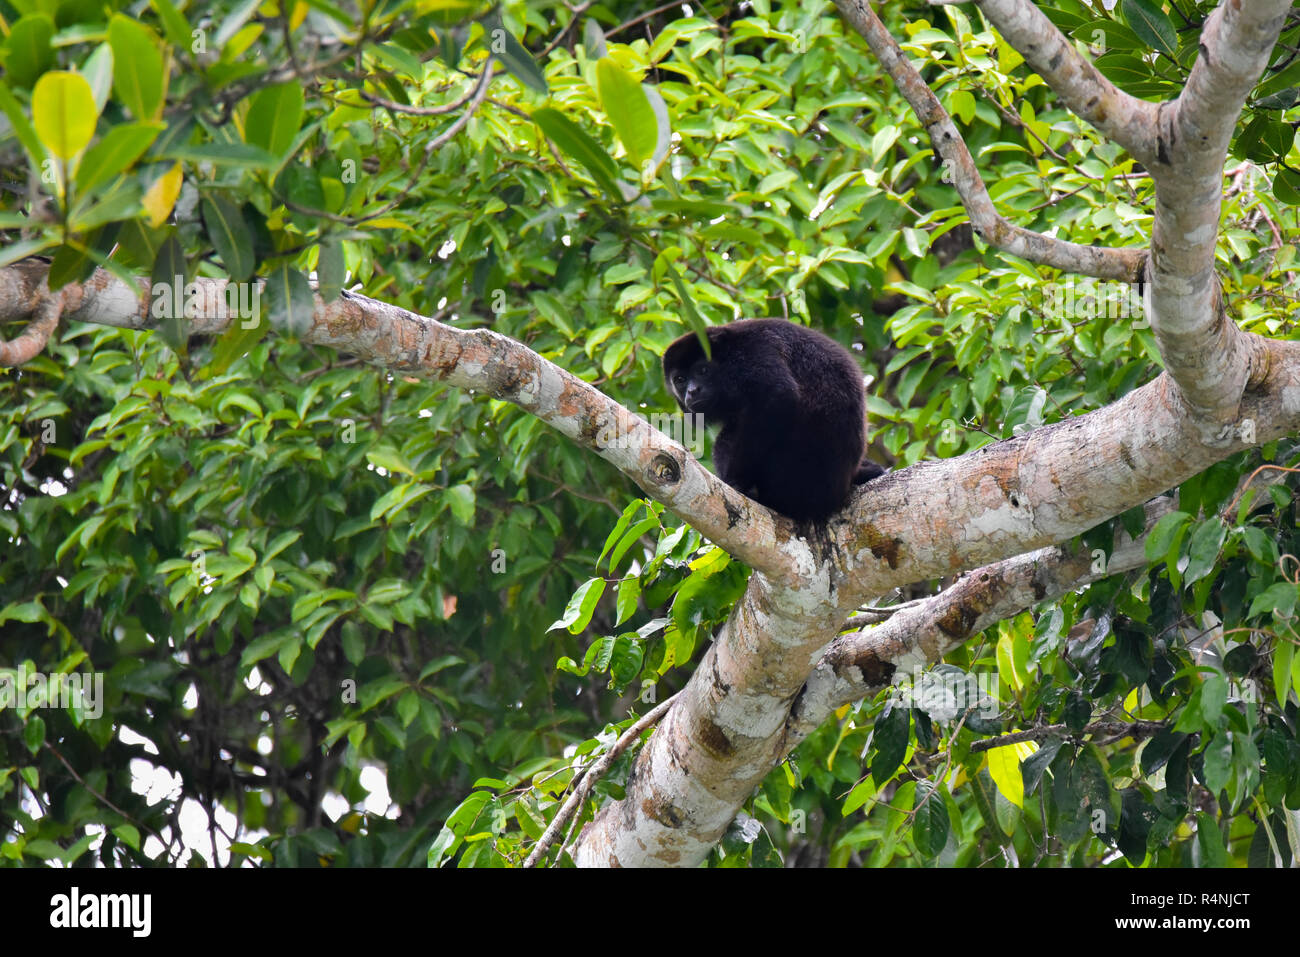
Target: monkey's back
808	445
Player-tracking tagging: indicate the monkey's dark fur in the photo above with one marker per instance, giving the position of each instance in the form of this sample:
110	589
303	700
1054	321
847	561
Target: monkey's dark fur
792	409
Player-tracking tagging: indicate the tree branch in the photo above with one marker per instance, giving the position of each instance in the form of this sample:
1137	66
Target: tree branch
1207	355
858	664
1127	120
1125	264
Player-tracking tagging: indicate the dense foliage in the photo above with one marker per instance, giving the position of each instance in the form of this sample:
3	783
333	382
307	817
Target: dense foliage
311	585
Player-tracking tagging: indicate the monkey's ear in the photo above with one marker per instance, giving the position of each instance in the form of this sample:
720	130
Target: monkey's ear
704	335
684	350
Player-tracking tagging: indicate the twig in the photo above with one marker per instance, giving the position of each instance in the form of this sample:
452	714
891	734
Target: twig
593	773
1137	729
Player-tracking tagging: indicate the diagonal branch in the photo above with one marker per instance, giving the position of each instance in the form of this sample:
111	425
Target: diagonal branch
478	359
1127	120
1125	264
856	665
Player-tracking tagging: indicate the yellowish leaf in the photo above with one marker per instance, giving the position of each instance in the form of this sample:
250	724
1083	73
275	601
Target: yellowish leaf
161	197
64	113
1004	769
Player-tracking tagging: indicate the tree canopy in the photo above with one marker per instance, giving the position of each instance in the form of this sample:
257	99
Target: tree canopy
309	479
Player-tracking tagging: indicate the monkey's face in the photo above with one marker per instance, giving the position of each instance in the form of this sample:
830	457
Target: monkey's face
695	387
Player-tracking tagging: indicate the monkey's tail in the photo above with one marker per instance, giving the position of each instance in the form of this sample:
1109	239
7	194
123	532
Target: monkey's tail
866	472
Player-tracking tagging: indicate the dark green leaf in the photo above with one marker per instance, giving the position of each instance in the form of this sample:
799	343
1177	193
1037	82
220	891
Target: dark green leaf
229	234
288	299
1151	24
889	742
572	139
930	823
516	59
274	118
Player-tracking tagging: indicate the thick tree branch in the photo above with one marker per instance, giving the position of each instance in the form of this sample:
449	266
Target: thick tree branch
919	634
1210	359
858	664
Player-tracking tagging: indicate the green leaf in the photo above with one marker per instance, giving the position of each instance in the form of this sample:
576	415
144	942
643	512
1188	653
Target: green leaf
1210	842
440	664
28	53
128	834
616	534
444	845
174	25
98	71
229	234
862	792
1157	751
593	39
70	855
220	154
694	321
171	270
1262	548
889	742
1279	599
460	499
625	658
34	732
1151	24
1004	768
1032	767
330	270
396	59
628	109
288	300
629	590
1203	549
1284	659
117	149
240	336
71	264
234	23
1214	695
577	614
573	140
1286	186
1217	762
22	129
137	66
630	538
274	118
45	850
930	824
516	59
1166	531
1130	73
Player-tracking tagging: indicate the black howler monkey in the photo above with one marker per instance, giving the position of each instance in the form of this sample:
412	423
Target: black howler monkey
792	409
